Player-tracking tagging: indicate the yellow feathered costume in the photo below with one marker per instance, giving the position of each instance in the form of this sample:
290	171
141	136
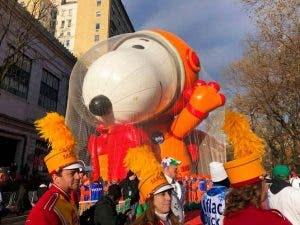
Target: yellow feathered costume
142	162
53	129
246	168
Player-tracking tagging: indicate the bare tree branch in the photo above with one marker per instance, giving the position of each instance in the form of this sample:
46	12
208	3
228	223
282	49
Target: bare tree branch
20	35
266	80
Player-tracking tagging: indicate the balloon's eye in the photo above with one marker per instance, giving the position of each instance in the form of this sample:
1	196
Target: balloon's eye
138	46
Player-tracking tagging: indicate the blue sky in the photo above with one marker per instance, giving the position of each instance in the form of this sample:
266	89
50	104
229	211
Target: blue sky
214	28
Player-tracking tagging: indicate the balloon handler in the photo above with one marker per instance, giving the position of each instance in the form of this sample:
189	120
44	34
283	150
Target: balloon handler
138	89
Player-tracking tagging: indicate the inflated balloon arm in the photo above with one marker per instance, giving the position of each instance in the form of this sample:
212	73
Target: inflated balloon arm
202	99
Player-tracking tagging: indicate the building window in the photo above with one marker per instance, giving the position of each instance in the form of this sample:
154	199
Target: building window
52	25
62	24
49	91
67	43
97	26
69	23
97	37
54	14
68	33
98	14
70	12
98	2
16	79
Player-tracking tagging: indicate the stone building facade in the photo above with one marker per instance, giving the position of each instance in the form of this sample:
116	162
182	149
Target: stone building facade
35	83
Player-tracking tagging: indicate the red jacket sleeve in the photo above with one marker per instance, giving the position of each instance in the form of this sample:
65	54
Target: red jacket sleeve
38	216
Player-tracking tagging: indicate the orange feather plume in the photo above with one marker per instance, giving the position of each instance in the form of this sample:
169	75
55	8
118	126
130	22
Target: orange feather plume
52	128
240	135
141	160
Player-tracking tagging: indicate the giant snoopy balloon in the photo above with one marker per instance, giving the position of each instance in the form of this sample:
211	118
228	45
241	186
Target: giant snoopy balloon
137	89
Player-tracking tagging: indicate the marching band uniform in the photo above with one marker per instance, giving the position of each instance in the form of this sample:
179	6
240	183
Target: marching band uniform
55	206
244	172
252	215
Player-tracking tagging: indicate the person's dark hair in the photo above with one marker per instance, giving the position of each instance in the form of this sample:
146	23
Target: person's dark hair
149	215
59	173
114	191
225	183
130	173
240	198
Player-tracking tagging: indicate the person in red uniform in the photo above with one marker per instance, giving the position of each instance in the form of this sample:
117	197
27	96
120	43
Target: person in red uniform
55	206
246	174
244	206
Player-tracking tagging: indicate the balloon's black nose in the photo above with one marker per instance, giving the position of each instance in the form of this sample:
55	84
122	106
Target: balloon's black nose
100	105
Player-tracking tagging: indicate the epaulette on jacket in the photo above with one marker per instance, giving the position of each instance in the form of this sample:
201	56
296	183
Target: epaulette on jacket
49	205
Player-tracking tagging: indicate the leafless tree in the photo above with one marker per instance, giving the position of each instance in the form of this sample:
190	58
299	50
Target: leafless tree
17	25
265	82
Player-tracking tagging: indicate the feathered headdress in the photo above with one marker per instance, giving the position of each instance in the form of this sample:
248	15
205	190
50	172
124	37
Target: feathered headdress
240	135
246	168
142	162
52	128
